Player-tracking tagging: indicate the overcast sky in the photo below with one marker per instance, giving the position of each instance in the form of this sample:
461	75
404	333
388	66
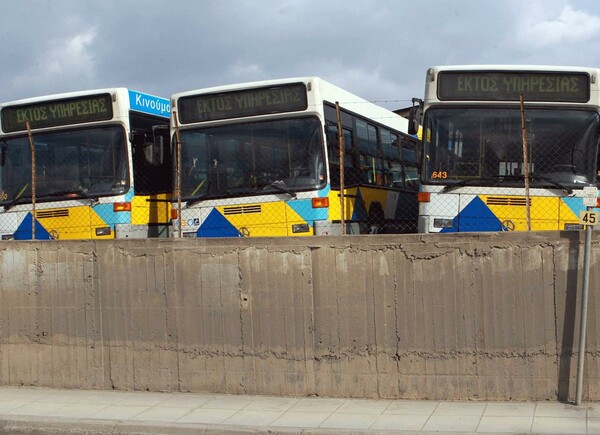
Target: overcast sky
378	49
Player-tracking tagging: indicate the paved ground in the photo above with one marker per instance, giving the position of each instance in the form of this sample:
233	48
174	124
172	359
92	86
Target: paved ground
43	411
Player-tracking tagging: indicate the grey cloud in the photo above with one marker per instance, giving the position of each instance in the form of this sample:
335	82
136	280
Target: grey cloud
379	50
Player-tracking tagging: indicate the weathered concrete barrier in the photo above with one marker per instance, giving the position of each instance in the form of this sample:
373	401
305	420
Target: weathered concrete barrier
488	316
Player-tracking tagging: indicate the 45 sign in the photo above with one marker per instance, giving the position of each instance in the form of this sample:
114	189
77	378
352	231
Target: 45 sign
588	218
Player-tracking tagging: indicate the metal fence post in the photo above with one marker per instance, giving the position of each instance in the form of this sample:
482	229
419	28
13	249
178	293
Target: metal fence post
33	179
584	303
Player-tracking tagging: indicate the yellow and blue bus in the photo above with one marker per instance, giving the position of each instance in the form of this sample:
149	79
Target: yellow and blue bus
263	159
508	148
95	164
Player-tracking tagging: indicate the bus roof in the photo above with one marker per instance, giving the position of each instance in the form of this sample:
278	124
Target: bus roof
323	90
317	82
497	67
246	85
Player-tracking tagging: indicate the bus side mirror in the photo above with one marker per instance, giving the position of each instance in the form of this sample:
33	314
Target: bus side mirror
414	117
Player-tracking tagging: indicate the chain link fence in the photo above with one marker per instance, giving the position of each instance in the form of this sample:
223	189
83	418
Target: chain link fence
82	186
249	183
276	178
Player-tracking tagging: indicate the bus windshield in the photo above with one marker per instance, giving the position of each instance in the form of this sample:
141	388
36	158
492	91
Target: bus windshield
484	146
250	158
88	162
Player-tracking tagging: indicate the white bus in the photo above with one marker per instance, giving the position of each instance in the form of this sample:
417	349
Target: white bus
507	147
102	166
263	159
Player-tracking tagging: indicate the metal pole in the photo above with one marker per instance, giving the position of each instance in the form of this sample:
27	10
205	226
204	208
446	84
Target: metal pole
178	171
584	303
33	179
525	163
341	147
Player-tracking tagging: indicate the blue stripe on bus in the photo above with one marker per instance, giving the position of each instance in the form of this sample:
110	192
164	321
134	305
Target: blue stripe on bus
476	216
107	213
149	104
323	193
215	225
24	230
304	209
575	204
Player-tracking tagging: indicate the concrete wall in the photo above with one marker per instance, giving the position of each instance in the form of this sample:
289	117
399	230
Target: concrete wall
490	316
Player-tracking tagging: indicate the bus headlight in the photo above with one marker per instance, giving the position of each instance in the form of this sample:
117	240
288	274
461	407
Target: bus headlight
442	223
300	228
104	231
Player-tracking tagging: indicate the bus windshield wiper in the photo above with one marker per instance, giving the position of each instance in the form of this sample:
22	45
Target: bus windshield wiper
17	200
495	178
543	178
468	181
551	181
281	186
195	200
76	192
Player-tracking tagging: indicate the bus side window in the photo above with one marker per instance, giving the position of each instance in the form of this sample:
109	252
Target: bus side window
366	136
351	175
154	151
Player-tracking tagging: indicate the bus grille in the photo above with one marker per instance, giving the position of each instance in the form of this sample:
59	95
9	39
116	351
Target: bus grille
508	200
242	209
52	213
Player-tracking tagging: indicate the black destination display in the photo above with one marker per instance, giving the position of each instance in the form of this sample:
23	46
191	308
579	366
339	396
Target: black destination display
238	104
508	86
57	112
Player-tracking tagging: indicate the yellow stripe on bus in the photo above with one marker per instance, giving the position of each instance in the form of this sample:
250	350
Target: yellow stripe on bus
70	223
546	212
154	209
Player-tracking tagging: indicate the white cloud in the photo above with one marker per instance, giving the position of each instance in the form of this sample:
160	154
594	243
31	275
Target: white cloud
72	56
380	53
249	71
571	26
67	61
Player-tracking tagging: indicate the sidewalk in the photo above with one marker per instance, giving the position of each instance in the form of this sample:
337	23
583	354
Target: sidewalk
41	411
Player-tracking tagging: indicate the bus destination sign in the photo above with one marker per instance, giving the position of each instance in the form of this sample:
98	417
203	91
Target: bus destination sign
247	102
57	112
570	87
